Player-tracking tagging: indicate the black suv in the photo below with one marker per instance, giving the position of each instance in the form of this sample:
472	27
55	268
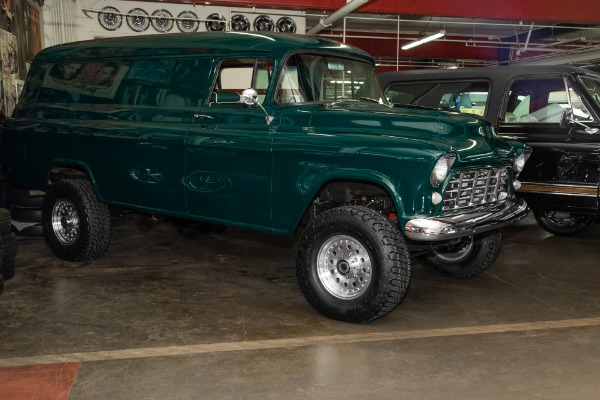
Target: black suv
555	109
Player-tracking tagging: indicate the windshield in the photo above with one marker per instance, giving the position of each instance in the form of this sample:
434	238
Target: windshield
593	88
318	78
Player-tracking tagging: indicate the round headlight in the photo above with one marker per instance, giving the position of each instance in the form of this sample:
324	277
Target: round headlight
441	169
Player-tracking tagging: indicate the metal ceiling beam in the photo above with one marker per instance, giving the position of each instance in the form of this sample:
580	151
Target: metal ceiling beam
339	14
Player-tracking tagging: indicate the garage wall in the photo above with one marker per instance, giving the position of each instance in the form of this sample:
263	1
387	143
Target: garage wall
73	20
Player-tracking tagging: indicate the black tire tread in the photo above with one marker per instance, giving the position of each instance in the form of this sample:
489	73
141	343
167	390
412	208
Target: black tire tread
8	245
5	221
8	268
26	214
396	278
94	221
483	256
559	230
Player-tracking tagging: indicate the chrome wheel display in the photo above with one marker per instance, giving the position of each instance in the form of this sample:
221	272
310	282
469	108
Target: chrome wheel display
344	267
187	22
65	222
239	23
216	23
286	25
162	21
110	18
263	23
138	20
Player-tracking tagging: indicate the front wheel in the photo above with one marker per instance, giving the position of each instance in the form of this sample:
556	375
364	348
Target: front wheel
469	257
76	225
564	223
352	264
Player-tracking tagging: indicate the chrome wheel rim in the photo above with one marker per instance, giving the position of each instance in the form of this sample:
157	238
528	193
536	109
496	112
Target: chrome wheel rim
65	222
344	267
456	252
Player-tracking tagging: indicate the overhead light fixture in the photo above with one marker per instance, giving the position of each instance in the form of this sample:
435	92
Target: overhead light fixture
424	40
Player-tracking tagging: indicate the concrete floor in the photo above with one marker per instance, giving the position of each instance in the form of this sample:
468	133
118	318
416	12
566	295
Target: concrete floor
162	317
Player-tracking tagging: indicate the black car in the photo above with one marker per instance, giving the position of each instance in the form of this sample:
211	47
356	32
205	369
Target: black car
554	109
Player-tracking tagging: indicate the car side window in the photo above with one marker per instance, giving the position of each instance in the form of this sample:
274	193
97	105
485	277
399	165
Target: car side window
236	75
542	101
470	97
160	83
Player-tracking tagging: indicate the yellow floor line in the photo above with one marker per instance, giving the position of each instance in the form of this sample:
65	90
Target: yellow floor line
295	342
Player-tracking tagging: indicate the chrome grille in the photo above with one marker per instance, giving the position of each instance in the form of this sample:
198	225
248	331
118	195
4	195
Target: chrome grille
474	188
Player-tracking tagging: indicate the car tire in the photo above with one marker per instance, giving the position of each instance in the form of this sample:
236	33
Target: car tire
564	223
469	257
23	198
26	214
76	225
29	231
5	221
352	264
7	269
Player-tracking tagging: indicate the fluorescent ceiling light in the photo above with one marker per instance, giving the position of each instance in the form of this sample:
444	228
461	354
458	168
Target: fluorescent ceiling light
424	40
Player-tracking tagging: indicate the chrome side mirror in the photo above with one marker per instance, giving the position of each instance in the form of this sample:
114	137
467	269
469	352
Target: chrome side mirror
250	98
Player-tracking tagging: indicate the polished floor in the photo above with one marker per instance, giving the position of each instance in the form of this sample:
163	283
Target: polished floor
162	317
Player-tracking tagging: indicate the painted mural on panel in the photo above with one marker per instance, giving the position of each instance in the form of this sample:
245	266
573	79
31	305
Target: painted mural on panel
20	40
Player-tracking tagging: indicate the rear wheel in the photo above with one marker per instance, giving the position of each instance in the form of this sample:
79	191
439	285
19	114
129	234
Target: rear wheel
564	223
352	264
76	224
467	258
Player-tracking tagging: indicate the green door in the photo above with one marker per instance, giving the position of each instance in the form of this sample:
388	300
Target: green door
228	150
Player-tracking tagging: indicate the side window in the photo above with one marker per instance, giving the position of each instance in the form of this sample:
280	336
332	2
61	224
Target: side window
78	82
289	88
176	83
464	97
161	83
236	75
542	101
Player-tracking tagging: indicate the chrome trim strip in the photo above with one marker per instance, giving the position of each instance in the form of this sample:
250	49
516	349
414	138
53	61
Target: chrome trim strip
457	225
558	188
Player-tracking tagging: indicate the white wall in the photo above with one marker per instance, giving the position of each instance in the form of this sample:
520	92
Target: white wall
72	20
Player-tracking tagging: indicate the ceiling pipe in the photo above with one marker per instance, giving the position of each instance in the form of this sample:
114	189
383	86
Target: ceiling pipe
341	13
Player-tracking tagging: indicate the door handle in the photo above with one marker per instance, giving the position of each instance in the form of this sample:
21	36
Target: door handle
203	116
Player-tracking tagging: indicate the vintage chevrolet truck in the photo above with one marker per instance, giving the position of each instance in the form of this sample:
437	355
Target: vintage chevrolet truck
280	133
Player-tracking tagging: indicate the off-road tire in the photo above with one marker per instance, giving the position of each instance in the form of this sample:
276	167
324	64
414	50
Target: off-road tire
367	278
26	214
558	225
470	257
76	225
5	221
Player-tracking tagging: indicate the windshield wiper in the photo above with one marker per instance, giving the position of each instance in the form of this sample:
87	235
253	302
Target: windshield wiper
370	99
343	100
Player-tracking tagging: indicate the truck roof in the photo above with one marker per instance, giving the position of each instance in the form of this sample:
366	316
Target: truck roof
493	73
196	43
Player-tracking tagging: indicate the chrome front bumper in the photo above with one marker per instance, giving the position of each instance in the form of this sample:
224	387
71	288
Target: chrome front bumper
470	223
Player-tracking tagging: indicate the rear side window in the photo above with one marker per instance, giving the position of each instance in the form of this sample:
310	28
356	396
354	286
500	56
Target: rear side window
469	97
162	83
542	100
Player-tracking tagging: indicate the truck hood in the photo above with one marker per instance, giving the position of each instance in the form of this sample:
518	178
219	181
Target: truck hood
469	136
